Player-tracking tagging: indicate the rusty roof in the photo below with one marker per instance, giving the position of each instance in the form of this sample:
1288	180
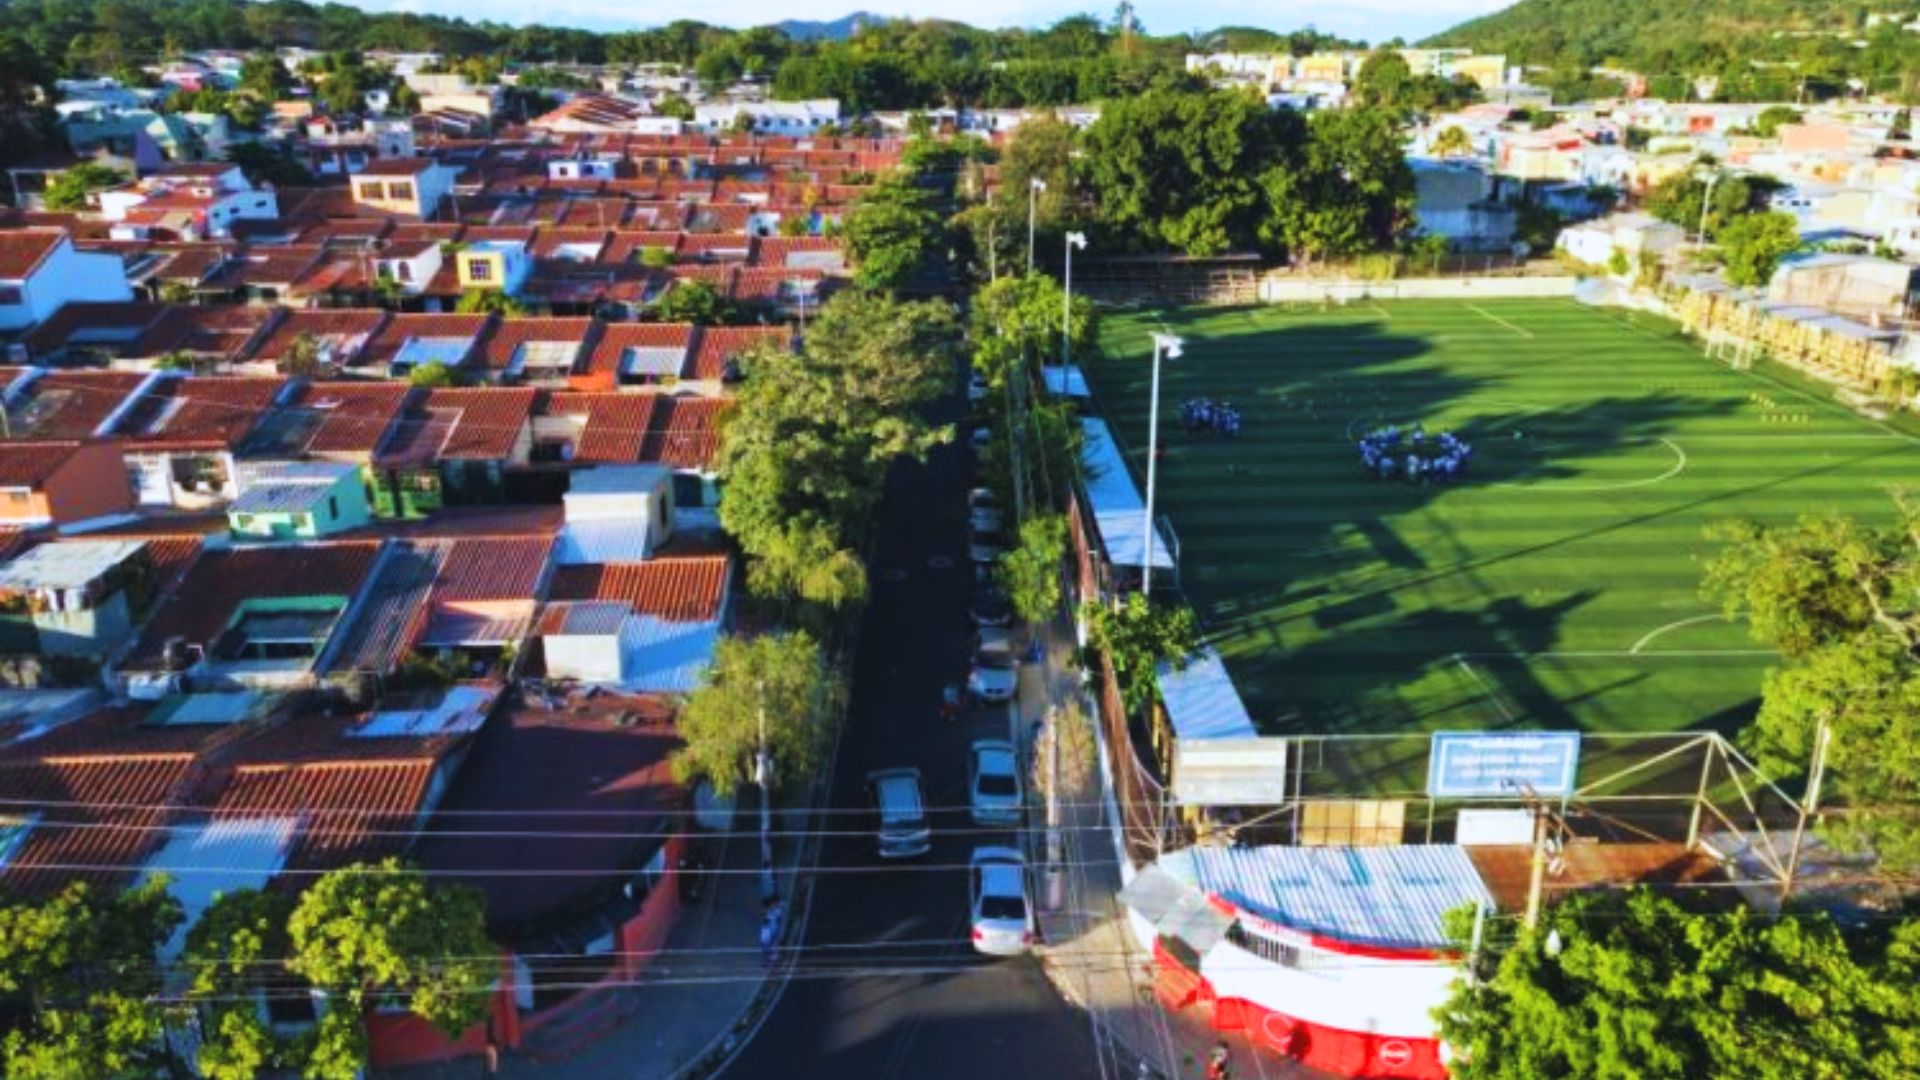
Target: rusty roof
614	425
677	589
197	412
29	464
23	250
201	608
511	334
492	568
617	338
405	326
338	417
69	404
348	329
351	811
685	432
720	345
466	423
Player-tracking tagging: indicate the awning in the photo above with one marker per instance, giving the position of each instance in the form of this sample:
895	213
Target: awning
1176	910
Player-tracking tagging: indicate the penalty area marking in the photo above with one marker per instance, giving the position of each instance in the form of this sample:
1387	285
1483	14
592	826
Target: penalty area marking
1675	625
1616	654
1484	313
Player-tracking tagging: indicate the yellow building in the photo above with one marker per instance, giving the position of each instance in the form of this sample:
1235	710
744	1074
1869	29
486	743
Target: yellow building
493	264
403	185
1486	72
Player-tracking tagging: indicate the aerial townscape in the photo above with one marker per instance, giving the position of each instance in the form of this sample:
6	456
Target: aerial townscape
1188	542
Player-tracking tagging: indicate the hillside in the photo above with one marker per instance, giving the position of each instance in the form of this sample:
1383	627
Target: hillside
1652	34
836	30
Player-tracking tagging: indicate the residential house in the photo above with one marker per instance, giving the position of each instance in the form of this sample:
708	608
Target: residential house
313	341
178	436
453	446
68	484
297	500
538	351
637	354
80	597
501	265
256	617
67	405
410	340
768	117
591	428
716	361
1639	237
616	513
641	626
404	185
330	420
187	202
1454	200
41	271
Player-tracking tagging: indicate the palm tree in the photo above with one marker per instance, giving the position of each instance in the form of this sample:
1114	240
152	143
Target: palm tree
1453	142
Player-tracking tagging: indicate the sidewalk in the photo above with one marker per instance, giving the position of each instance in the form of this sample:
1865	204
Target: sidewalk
1091	954
705	986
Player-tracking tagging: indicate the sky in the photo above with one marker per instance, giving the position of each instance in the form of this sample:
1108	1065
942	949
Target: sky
1371	20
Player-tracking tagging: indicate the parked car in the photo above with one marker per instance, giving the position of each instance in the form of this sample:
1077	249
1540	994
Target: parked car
990	606
1002	918
977	387
981	498
981	436
985	545
993	771
996	666
903	831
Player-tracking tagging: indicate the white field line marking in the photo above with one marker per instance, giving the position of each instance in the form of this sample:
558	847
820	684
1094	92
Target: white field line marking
1380	311
1616	654
1484	687
1521	330
1679	466
1651	634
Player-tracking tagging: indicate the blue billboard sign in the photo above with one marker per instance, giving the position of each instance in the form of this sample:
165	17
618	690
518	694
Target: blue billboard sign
1475	764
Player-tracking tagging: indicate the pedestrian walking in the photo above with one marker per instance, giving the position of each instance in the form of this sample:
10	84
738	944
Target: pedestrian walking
1220	1063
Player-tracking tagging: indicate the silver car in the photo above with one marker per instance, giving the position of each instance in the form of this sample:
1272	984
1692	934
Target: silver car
993	772
1002	917
996	666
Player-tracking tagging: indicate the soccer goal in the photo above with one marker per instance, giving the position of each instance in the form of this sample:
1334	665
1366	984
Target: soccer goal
1734	350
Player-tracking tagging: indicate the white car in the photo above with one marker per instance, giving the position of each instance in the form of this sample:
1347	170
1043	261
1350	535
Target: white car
1002	918
994	783
996	666
983	499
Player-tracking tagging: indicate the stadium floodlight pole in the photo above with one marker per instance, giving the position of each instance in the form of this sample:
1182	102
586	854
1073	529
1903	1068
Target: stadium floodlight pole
1169	346
1074	240
1706	200
1035	186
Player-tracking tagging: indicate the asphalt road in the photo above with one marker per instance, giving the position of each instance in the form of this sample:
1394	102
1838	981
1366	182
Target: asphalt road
954	1014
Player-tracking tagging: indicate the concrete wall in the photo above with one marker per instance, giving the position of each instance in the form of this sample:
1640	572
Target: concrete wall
1286	291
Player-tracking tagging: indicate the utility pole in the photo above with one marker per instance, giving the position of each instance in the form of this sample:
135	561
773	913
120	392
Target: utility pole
1056	856
1074	240
763	775
1169	346
1035	186
1809	803
1537	868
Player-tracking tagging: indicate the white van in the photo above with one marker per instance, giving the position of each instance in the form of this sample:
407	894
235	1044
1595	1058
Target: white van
903	829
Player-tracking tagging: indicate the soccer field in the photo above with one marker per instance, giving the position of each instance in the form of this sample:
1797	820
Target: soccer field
1556	584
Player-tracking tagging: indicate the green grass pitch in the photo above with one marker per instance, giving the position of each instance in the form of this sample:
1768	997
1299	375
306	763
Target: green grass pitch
1555	585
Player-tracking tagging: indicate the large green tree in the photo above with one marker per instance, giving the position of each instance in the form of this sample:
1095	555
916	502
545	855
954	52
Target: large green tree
71	189
1031	572
77	972
1840	599
383	933
773	683
236	951
1138	635
804	454
1618	986
1349	192
891	233
1753	246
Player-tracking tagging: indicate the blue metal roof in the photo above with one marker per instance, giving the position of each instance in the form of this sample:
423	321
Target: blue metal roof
427	350
1118	509
661	657
610	540
1385	896
1202	702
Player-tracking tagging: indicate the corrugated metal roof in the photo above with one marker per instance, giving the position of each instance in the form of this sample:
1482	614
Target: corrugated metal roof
1202	702
1066	380
1385	896
208	708
662	657
432	350
66	564
584	618
205	860
1117	505
459	710
603	541
268	487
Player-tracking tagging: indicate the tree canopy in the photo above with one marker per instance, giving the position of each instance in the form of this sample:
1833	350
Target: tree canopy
781	676
1619	985
1840	599
1753	246
1138	635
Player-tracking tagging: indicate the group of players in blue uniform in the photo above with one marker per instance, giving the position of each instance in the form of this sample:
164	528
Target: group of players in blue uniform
1216	417
1414	455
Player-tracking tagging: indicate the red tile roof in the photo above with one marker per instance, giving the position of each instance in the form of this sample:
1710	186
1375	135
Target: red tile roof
347	329
777	250
615	424
513	333
385	344
223	331
721	344
617	338
197	412
204	604
70	404
29	464
477	423
268	266
704	248
396	166
492	568
678	589
23	250
352	811
685	431
134	327
352	417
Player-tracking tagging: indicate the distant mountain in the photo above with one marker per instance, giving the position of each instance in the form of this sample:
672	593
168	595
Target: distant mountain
838	30
1650	33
